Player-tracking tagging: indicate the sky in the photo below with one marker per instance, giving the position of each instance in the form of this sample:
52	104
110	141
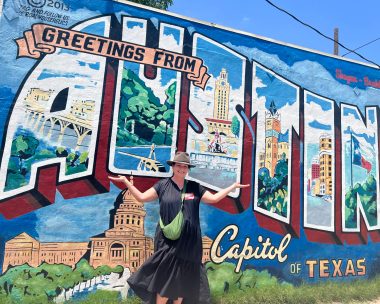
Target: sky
357	23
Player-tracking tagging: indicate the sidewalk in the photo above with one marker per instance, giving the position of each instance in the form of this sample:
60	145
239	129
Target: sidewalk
377	301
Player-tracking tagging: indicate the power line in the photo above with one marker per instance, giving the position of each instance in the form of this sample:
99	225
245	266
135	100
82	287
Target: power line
320	33
362	46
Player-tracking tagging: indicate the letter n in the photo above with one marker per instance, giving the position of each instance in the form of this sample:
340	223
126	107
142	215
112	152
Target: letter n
359	212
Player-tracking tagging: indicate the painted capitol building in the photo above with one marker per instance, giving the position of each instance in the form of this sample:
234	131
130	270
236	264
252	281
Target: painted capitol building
124	243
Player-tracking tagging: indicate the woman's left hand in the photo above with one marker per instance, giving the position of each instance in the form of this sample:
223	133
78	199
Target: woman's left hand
238	185
210	198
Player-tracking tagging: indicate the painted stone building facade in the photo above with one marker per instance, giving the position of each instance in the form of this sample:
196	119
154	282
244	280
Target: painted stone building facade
24	249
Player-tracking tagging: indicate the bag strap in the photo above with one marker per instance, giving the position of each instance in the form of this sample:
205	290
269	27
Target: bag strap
183	192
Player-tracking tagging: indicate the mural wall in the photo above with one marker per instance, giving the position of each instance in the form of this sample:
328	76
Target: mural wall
97	88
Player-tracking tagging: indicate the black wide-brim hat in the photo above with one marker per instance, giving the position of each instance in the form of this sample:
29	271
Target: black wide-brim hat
181	158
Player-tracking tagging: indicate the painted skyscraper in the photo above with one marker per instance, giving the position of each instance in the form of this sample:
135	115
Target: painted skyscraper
222	96
324	186
272	131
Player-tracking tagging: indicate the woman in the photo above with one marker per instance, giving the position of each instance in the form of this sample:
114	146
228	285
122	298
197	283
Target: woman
174	270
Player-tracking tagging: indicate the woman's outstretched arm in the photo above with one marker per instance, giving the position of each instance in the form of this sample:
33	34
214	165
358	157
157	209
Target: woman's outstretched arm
147	196
210	198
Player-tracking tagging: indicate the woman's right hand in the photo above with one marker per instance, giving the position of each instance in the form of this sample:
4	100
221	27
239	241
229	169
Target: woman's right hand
147	196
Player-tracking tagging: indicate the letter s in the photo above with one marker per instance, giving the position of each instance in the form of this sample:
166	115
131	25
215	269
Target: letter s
361	267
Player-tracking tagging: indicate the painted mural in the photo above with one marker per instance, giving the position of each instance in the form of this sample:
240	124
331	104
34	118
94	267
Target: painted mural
90	89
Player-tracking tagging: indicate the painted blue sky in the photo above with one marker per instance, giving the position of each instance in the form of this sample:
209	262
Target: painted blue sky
217	58
360	121
94	66
371	116
367	149
317	125
168	75
350	111
360	115
312	151
74	219
95	29
275	89
54	74
175	33
325	105
132	24
369	139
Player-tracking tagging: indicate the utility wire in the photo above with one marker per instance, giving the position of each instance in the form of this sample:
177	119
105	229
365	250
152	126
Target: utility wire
320	33
362	46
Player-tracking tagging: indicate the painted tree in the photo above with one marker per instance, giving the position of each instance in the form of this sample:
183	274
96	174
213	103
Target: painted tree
367	193
235	126
84	269
273	190
138	105
143	119
166	115
27	284
24	147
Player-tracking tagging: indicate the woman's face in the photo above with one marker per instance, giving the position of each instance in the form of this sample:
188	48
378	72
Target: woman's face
180	170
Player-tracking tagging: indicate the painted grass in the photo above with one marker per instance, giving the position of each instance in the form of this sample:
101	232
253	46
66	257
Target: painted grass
105	297
347	292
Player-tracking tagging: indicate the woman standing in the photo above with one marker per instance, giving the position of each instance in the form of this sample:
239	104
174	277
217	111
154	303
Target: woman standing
174	270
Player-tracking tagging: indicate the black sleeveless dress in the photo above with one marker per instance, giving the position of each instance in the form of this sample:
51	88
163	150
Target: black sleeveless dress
175	268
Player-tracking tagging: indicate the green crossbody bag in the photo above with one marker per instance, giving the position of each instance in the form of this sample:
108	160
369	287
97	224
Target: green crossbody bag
172	231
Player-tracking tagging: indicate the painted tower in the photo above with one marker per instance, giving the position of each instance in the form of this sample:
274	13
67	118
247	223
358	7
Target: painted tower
222	96
325	165
272	131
